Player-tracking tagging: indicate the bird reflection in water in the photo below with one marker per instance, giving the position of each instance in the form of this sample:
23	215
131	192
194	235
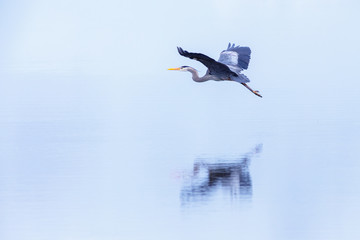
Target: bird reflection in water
230	175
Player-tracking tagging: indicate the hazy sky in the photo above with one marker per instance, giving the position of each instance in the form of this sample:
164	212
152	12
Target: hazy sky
304	51
141	36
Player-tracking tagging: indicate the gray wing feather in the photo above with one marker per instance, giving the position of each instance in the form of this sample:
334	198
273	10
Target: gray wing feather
236	57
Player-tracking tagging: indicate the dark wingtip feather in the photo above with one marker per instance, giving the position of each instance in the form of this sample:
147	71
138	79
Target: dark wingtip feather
231	45
180	50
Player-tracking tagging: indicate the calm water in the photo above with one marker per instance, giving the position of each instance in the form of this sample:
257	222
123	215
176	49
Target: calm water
91	158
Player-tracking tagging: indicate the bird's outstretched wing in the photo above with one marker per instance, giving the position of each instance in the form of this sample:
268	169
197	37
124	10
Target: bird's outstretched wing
236	57
215	68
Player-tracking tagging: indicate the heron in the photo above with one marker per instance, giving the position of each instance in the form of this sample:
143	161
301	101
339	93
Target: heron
231	63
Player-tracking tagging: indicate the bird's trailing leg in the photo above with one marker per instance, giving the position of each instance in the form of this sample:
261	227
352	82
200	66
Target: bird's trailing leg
253	91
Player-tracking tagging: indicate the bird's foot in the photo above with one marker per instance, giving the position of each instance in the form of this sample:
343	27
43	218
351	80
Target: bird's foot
253	91
256	92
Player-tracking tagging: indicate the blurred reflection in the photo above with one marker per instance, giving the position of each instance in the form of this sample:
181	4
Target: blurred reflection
209	175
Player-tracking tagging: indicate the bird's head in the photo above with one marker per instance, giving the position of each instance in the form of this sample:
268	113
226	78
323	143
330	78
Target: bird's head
182	68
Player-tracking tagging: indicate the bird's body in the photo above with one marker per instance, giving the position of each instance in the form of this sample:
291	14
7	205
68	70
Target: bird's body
231	63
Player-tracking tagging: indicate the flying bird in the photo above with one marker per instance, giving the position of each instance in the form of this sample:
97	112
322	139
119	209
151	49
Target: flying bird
231	63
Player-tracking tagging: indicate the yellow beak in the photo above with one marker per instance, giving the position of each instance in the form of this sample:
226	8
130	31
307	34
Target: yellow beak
173	68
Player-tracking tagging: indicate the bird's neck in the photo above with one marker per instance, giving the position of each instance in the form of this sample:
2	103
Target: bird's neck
195	76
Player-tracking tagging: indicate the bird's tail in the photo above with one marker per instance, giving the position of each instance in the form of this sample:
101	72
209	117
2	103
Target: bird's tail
241	78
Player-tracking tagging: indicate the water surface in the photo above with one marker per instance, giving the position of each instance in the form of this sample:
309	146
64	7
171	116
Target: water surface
83	159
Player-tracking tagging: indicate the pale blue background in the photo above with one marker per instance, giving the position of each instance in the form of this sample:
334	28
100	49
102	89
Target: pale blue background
97	139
